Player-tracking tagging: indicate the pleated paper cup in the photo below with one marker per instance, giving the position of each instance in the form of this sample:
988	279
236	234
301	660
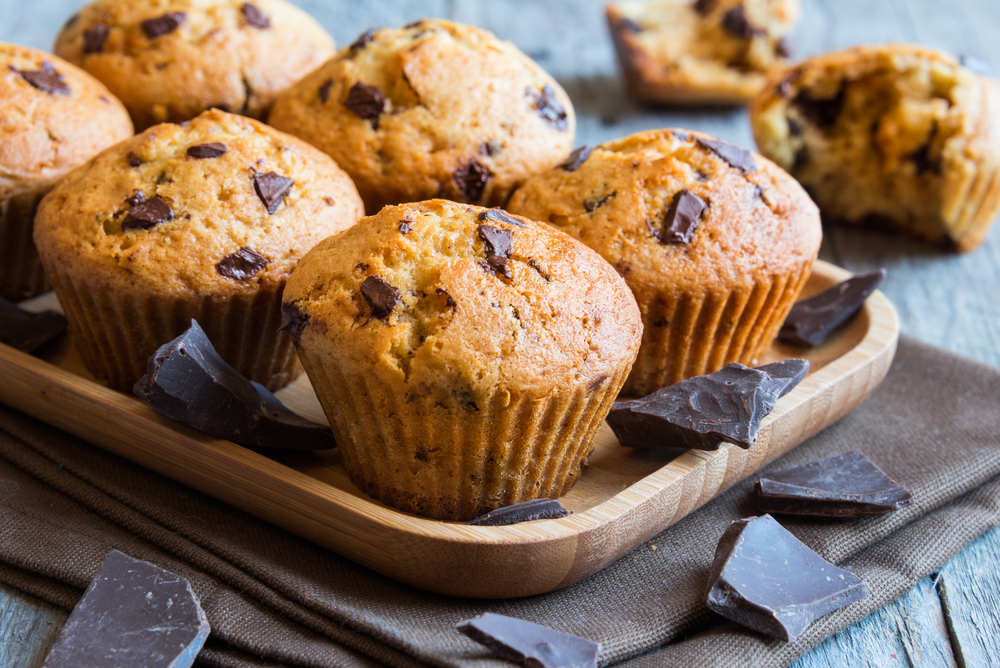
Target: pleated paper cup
21	273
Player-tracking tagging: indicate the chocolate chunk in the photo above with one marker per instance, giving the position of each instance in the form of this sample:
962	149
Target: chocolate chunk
242	265
28	331
599	199
255	17
381	296
576	158
737	157
821	113
405	225
365	101
768	580
537	509
203	151
924	163
471	179
847	485
363	40
133	159
498	247
271	189
703	7
976	65
628	24
530	645
704	411
46	79
783	48
93	39
812	320
499	216
132	614
682	218
293	321
736	23
324	90
162	25
186	380
549	107
146	213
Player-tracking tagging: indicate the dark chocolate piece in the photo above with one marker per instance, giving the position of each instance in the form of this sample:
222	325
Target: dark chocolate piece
255	17
976	65
146	213
768	580
187	381
812	320
93	39
625	23
499	216
682	218
28	331
46	80
527	511
736	23
381	296
737	157
133	159
471	179
363	39
703	7
921	158
242	265
203	151
783	48
271	189
549	107
405	225
324	90
599	199
293	321
498	247
576	158
365	101
531	645
703	412
847	485
821	113
132	614
162	25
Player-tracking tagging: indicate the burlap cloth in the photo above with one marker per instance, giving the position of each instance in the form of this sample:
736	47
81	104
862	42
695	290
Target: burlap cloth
271	597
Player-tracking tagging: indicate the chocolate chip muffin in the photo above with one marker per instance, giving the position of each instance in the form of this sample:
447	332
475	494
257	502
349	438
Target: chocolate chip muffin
53	117
466	358
894	135
714	241
171	60
203	220
701	51
435	109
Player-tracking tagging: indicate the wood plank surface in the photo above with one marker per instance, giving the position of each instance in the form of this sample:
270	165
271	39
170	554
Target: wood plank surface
970	593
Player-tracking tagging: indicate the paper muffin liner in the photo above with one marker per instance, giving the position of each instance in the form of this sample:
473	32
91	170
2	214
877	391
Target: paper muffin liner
693	334
116	333
458	462
975	209
21	273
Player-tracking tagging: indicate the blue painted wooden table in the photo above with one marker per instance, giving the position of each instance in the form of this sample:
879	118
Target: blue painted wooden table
950	619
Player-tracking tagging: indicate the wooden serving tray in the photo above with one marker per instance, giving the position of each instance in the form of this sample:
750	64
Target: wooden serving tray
624	496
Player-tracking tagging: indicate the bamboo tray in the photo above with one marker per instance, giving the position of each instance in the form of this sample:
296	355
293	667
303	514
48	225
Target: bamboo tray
623	498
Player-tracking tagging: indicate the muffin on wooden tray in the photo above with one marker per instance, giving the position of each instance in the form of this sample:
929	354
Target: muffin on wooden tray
53	117
895	135
700	51
203	220
171	60
714	241
466	358
435	109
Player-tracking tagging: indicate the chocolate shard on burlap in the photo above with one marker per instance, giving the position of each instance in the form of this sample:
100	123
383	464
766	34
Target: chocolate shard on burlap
526	511
188	381
812	320
133	615
847	485
28	331
530	645
703	412
768	580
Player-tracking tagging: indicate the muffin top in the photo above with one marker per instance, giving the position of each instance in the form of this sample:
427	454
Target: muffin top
170	60
215	206
449	298
435	109
53	117
678	208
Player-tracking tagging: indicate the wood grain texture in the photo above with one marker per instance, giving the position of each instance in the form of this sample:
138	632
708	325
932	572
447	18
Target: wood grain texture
28	627
970	592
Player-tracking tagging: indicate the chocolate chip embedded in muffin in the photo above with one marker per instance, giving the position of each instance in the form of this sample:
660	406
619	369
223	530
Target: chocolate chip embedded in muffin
272	189
242	265
206	151
146	213
255	17
162	25
45	79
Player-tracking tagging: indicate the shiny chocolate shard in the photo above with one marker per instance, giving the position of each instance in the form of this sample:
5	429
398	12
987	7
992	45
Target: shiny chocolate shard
366	101
28	331
768	580
146	214
530	645
205	151
47	79
255	17
682	218
527	511
549	107
93	39
381	295
471	179
812	320
498	247
162	25
363	39
242	265
187	381
847	485
132	614
703	412
272	189
576	158
500	216
737	157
